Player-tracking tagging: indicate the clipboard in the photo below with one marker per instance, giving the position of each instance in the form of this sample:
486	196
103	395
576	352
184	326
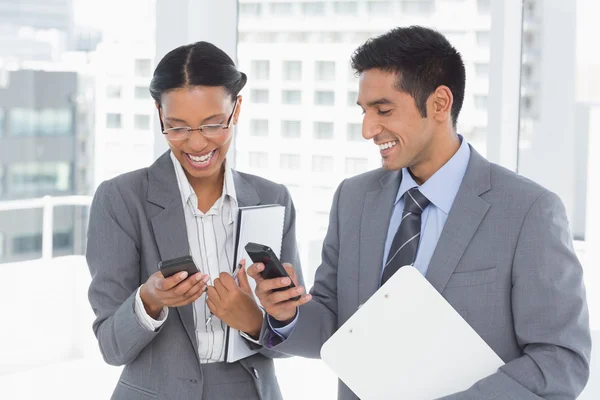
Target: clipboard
408	342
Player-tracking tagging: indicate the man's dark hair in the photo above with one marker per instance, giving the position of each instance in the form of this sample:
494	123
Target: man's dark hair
197	64
422	58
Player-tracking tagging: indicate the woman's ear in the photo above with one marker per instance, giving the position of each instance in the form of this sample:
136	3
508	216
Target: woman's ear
237	110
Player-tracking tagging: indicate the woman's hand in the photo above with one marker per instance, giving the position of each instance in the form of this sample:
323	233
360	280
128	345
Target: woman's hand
174	291
234	304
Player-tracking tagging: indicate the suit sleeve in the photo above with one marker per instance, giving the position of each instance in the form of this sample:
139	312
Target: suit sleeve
114	262
550	314
317	320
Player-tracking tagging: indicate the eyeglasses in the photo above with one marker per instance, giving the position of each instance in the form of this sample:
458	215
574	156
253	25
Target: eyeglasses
208	130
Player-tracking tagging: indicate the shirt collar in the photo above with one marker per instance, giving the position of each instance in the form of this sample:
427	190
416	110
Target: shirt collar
442	187
186	189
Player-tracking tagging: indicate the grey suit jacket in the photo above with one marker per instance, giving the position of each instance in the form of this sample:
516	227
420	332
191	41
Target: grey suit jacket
137	220
504	261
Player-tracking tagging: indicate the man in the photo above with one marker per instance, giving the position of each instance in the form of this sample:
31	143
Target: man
496	245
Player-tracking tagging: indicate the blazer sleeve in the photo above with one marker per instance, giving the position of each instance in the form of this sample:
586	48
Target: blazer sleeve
113	259
317	320
550	314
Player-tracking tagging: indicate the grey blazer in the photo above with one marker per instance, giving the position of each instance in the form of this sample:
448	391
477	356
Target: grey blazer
137	220
504	261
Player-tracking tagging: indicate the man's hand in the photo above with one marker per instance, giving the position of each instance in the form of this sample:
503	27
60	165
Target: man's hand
277	303
174	291
235	305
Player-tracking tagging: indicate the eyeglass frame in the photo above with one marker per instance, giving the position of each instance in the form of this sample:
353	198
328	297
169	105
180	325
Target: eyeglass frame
200	128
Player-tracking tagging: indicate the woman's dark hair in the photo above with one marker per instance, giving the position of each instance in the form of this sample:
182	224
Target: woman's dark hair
422	58
197	64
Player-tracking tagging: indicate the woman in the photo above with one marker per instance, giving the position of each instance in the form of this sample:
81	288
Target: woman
170	335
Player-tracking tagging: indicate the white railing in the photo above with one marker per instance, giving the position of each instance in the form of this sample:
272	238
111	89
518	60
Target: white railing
47	204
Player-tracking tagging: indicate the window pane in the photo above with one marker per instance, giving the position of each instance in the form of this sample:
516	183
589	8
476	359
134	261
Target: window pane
418	7
250	9
290	129
379	7
143	68
281	8
259	96
292	70
113	121
142	93
290	161
41	177
352	97
291	97
260	69
481	102
322	164
324	98
258	159
483	7
323	130
354	132
259	127
113	91
355	166
483	39
325	70
142	122
345	7
313	9
27	244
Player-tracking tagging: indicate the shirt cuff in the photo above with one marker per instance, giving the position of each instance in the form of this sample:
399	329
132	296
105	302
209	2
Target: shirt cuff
285	331
250	338
143	318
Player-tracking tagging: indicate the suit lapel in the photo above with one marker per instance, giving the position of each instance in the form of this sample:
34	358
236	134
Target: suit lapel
377	211
169	226
466	214
246	193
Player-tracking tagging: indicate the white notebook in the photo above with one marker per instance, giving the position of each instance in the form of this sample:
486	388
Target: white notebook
407	342
258	224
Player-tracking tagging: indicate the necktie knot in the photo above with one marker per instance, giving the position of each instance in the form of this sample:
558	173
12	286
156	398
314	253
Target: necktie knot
415	202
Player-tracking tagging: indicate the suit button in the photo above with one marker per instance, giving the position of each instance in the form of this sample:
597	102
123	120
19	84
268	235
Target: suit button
255	373
194	380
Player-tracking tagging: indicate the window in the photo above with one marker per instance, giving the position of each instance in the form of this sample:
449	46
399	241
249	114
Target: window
113	121
142	93
418	7
355	166
141	122
143	68
324	98
483	39
322	164
480	102
260	69
39	177
290	129
483	7
323	130
1	180
25	244
259	127
258	159
1	122
379	7
114	91
290	161
250	9
354	132
313	9
281	8
1	246
259	96
345	7
291	97
325	70
292	70
62	240
482	71
352	97
43	122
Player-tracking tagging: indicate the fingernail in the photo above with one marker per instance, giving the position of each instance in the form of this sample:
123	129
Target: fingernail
199	277
183	275
285	281
206	278
260	267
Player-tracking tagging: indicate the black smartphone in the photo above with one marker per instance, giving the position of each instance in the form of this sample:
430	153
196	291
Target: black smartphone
273	268
175	265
